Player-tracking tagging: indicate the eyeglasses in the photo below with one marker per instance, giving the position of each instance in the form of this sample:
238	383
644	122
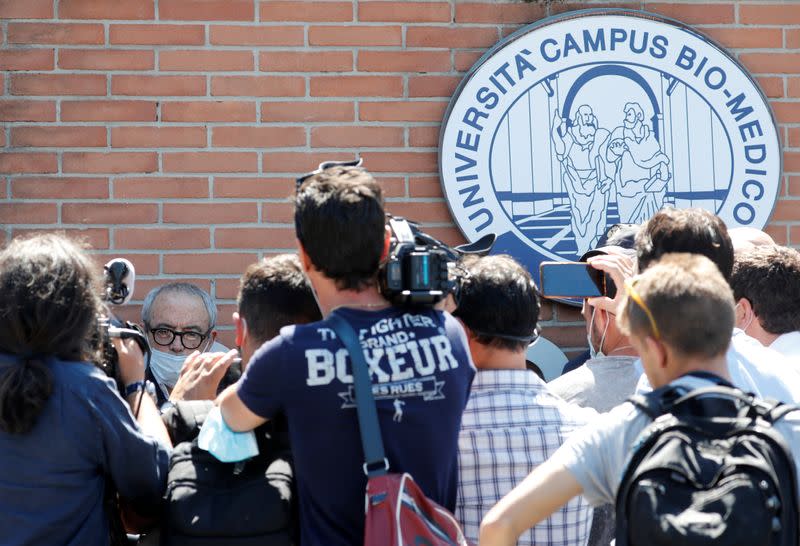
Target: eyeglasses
326	165
189	340
634	295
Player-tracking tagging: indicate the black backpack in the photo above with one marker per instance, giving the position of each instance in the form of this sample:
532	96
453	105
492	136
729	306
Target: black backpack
211	503
709	469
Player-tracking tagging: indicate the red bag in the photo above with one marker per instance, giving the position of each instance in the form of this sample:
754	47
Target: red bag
399	514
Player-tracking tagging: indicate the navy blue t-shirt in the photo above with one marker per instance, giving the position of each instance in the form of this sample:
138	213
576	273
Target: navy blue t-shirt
421	373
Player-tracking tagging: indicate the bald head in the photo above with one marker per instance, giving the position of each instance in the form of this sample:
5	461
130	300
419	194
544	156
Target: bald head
744	238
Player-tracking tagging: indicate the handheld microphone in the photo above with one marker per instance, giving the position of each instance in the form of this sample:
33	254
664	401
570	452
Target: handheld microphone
120	277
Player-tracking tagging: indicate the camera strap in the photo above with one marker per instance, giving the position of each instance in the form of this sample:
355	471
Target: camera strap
375	462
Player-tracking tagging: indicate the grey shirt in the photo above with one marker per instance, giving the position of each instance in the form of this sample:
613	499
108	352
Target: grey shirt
598	454
601	383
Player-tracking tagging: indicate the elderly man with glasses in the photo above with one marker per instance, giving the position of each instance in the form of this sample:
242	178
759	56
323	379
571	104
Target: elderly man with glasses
179	319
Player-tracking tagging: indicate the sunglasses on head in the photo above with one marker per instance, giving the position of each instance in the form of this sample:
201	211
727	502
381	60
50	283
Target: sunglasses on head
326	165
630	288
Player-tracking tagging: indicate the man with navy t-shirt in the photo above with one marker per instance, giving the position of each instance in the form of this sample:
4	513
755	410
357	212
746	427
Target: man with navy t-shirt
417	357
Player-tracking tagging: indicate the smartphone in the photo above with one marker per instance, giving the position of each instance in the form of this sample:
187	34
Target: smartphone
571	280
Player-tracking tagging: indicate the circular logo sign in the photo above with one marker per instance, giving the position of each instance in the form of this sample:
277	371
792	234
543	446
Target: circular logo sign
600	117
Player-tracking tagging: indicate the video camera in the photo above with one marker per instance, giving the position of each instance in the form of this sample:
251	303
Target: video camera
119	276
418	270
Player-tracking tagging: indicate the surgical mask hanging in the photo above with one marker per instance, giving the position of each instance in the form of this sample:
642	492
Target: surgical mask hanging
222	442
166	367
596	353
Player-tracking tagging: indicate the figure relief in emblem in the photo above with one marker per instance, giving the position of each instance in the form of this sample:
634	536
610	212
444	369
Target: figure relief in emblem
641	169
581	148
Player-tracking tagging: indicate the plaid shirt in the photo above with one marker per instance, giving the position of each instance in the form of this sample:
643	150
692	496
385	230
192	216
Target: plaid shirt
511	424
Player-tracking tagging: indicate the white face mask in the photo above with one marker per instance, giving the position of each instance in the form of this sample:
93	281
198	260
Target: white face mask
166	367
596	353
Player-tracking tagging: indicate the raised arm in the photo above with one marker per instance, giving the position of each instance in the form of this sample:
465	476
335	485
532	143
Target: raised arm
237	416
557	134
131	369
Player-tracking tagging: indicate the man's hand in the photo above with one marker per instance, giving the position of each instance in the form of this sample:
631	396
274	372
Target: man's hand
620	268
131	369
131	360
201	374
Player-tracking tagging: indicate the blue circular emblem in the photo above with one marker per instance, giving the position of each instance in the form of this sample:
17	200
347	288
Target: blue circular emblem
598	117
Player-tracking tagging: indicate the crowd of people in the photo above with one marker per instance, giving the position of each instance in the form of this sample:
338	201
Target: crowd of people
690	306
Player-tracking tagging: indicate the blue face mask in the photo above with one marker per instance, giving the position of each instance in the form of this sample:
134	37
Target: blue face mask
223	443
166	367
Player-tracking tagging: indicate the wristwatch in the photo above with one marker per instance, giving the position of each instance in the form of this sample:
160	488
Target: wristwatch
146	386
136	386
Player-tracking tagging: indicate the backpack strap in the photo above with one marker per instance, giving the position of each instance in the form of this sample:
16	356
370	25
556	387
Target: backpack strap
771	410
375	461
649	404
718	391
184	419
656	403
779	410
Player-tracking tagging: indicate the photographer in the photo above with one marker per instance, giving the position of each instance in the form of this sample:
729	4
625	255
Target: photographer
64	429
421	369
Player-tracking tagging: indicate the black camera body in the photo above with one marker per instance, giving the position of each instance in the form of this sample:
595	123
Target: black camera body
118	277
111	327
418	270
414	273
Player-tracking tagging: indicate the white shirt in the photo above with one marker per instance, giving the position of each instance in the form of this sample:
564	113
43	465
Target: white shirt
757	369
788	345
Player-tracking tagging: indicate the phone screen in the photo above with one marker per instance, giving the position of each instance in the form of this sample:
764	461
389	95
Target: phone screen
571	280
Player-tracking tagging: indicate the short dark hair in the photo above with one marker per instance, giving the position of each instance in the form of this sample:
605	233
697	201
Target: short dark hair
498	298
274	293
695	231
340	221
49	303
690	304
769	278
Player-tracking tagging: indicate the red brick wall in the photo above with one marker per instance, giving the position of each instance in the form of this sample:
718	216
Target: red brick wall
168	131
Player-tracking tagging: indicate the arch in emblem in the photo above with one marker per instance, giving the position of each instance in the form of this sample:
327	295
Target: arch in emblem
613	70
